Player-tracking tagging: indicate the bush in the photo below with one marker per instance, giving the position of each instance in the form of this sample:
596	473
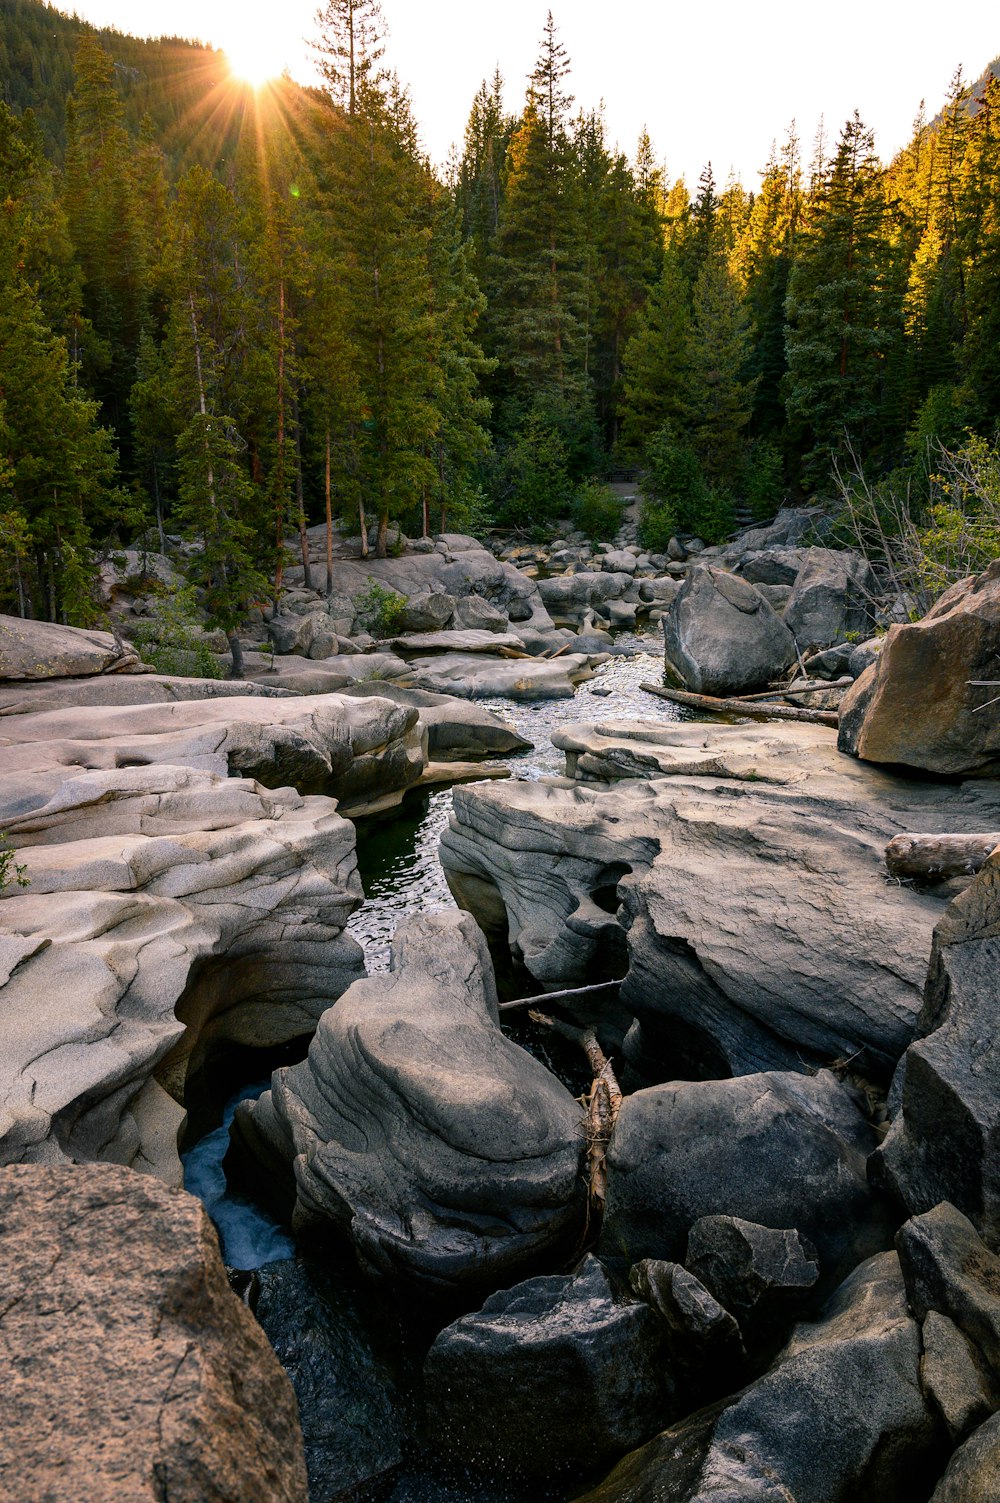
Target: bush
170	638
673	483
533	480
11	870
657	525
380	610
765	480
597	511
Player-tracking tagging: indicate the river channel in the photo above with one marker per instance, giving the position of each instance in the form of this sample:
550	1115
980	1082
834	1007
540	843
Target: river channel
402	875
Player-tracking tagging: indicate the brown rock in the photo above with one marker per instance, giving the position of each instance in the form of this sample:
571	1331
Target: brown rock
131	1371
914	706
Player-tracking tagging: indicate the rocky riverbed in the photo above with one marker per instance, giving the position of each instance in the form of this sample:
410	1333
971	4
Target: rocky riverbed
769	1267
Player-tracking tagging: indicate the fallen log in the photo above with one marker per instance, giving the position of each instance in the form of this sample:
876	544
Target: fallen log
600	1105
742	707
935	858
563	996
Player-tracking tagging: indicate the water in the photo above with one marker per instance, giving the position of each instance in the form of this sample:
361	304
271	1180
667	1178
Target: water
402	875
398	858
248	1236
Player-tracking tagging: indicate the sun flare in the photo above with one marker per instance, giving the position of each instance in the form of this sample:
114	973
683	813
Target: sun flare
253	60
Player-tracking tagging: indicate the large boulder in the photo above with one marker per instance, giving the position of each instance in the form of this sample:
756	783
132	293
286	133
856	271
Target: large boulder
44	649
780	1149
570	596
474	613
477	675
831	599
944	1143
457	729
449	1156
762	1274
430	611
949	1270
918	705
132	1372
721	636
840	1417
558	1374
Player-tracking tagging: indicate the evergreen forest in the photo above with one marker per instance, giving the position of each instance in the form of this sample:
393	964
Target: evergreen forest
227	315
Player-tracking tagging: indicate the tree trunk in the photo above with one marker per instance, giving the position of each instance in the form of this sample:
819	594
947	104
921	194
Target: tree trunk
935	858
236	649
329	522
300	504
601	1106
382	539
741	707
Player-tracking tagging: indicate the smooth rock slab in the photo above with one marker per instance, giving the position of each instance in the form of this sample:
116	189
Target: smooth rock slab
44	649
840	1418
131	1371
472	675
551	1376
449	1156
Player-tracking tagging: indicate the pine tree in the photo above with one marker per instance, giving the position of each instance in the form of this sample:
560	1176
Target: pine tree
718	395
656	362
837	335
106	228
349	49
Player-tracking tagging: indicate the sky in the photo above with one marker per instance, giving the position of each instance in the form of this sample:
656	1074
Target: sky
712	80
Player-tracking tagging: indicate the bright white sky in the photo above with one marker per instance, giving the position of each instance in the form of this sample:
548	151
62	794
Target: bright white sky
711	79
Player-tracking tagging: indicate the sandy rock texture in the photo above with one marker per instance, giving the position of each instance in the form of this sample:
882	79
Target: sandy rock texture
131	1371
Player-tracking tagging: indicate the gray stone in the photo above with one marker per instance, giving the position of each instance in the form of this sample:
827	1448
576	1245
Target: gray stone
290	632
949	1269
973	1474
780	1149
132	1372
124	689
839	1418
348	1402
661	591
429	611
774	566
760	1273
831	598
721	636
448	1156
473	613
458	729
953	1377
741	857
776	595
555	1375
472	675
833	662
470	639
944	1142
863	656
569	596
703	1337
43	649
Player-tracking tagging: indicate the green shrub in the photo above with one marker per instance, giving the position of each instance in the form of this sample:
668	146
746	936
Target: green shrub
673	485
11	870
597	511
765	480
657	525
533	479
170	638
380	610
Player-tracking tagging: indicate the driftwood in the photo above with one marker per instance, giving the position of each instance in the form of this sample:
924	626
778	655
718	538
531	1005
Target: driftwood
935	858
743	707
789	691
545	997
600	1105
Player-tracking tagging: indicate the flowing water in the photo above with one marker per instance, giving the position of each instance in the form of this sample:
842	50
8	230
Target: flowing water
401	875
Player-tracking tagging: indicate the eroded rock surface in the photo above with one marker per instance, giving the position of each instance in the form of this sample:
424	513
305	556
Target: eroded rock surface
449	1156
131	1371
743	858
46	650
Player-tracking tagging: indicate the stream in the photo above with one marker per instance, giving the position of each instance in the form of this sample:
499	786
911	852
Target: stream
402	875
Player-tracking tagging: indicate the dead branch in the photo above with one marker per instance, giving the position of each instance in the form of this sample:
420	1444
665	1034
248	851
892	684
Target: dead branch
563	996
743	707
935	858
600	1105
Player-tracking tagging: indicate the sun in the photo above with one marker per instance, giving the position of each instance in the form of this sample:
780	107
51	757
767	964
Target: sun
251	59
